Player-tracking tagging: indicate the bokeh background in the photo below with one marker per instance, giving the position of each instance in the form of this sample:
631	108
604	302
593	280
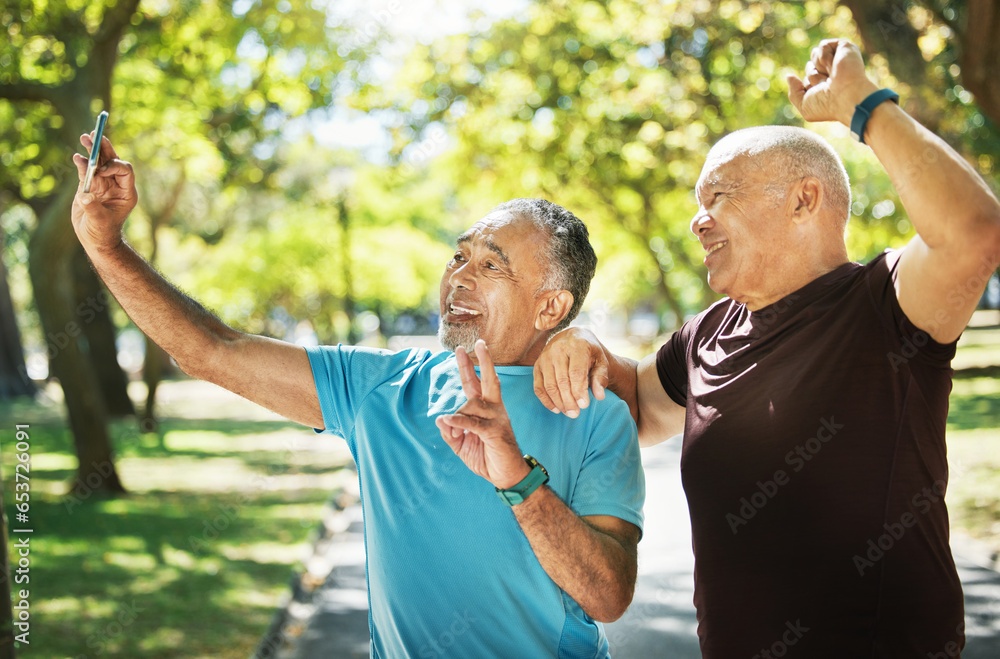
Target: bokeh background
303	168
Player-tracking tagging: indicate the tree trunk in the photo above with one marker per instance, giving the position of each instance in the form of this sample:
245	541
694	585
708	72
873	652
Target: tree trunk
14	380
979	55
92	311
153	366
50	262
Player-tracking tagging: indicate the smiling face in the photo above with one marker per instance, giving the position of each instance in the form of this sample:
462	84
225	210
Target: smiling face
744	227
491	290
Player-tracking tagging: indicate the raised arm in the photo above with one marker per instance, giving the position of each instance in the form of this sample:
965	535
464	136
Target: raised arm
575	360
592	558
272	373
943	271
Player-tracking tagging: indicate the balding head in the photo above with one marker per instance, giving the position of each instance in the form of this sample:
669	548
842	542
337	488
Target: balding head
790	153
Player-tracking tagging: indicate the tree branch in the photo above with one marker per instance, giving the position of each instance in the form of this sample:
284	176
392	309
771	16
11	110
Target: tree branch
28	91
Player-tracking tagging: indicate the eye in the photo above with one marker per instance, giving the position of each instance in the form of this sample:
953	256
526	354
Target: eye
491	266
458	258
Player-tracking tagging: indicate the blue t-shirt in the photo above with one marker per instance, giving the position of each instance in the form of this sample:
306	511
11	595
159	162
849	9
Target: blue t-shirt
450	572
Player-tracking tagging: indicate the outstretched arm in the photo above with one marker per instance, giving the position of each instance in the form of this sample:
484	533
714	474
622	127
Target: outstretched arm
943	271
592	558
271	373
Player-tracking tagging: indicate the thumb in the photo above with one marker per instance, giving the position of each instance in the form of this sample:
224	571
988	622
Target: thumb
796	90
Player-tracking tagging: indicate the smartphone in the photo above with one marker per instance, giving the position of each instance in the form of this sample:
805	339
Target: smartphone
95	150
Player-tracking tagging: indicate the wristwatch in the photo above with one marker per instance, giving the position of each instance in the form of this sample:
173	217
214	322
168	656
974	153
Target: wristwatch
535	479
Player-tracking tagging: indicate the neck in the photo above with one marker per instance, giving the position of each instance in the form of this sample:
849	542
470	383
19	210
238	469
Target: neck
787	285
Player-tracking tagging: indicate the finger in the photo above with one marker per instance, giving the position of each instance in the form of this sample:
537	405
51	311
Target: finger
579	381
487	373
543	396
81	165
466	371
107	151
562	377
115	168
453	437
478	407
813	76
480	427
552	388
796	90
599	379
827	52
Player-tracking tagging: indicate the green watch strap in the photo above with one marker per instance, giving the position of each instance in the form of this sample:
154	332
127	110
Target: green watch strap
537	477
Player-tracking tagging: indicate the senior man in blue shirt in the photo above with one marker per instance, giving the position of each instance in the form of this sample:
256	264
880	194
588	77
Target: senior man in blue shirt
519	551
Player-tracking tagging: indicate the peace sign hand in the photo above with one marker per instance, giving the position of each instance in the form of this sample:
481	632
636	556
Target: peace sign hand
479	432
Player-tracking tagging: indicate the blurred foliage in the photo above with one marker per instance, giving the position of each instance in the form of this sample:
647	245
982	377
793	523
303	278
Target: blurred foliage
606	107
610	107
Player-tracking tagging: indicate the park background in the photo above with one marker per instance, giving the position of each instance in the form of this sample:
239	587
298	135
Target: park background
303	168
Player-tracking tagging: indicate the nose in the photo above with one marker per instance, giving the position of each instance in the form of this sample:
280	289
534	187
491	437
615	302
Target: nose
701	222
463	277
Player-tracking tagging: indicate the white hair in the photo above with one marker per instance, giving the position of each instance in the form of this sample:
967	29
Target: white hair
795	152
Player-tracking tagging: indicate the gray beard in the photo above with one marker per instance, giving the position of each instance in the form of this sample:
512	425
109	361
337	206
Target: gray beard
452	335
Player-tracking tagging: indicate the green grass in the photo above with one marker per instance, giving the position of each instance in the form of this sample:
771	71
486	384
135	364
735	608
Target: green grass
194	560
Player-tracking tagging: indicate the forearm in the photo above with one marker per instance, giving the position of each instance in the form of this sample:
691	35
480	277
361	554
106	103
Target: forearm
175	322
622	380
945	198
593	567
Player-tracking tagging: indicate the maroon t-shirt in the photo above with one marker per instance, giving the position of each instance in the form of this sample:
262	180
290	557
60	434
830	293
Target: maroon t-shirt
814	466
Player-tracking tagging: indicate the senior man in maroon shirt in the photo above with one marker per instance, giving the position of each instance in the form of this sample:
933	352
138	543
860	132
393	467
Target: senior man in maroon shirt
813	398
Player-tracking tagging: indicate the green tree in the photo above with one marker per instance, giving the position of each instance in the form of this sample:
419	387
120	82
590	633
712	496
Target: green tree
610	108
204	83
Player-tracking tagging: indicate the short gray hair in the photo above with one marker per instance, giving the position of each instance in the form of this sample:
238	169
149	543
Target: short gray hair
798	153
570	261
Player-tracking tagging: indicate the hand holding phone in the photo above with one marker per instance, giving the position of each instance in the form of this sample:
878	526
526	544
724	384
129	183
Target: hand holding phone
95	150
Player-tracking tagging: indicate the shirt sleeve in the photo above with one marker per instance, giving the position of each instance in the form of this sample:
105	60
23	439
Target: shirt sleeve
611	480
671	363
914	343
345	375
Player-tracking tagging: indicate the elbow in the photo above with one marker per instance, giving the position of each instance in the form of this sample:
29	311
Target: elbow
993	237
203	362
614	606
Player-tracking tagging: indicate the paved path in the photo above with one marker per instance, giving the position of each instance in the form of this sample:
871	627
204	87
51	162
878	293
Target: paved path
661	620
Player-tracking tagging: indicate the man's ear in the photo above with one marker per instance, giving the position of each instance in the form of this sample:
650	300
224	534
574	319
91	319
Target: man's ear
806	199
555	305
